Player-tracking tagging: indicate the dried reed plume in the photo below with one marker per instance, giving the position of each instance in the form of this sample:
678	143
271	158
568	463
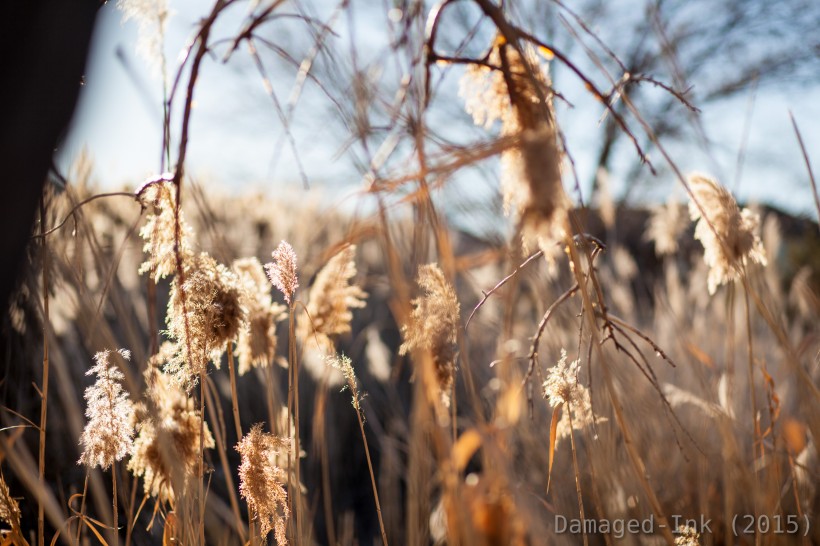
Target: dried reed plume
332	296
282	272
434	325
739	242
261	481
687	536
159	232
666	225
562	390
166	450
517	91
212	316
108	435
9	509
152	17
257	339
345	367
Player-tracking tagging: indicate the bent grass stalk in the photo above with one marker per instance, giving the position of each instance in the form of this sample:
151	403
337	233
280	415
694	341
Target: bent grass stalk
346	367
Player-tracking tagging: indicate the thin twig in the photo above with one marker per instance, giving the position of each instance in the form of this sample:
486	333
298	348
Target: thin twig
76	207
658	351
501	283
266	83
512	34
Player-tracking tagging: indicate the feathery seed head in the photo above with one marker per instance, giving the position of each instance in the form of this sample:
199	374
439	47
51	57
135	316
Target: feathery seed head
282	272
159	232
262	482
563	391
561	386
734	242
152	17
434	325
687	536
166	450
212	315
345	365
665	227
485	95
9	509
518	93
108	435
332	296
257	339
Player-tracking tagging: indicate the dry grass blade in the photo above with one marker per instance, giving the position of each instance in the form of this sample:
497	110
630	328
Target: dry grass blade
815	194
556	417
502	282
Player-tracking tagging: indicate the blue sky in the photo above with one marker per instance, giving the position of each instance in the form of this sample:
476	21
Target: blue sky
237	142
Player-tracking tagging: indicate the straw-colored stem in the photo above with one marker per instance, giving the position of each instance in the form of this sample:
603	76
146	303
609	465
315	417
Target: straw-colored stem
453	412
320	417
82	510
254	535
115	518
221	446
728	473
293	487
201	485
129	525
577	476
234	398
756	440
293	366
44	390
357	406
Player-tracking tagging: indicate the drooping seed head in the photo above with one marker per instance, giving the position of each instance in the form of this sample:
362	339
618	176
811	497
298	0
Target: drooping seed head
434	324
730	236
262	482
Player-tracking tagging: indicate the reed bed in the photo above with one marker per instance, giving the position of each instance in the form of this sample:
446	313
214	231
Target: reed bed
213	369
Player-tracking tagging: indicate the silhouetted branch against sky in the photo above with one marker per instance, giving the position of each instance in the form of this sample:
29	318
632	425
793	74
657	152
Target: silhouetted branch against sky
332	92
